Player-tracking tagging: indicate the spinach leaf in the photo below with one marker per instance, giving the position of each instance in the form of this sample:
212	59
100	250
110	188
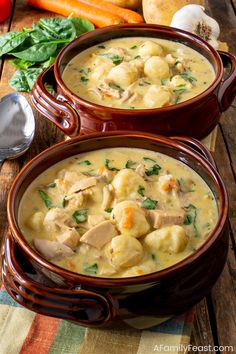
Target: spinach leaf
48	62
108	210
190	217
12	40
51	185
84	79
85	163
154	170
149	204
47	200
91	269
21	63
38	52
130	164
153	257
23	80
63	204
186	76
185	187
81	25
58	28
115	58
148	159
116	87
80	215
107	162
134	47
141	190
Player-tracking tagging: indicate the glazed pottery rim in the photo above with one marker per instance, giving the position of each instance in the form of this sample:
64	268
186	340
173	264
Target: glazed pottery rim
133	112
114	282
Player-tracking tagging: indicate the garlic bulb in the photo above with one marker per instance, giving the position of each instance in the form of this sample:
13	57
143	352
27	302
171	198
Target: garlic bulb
192	18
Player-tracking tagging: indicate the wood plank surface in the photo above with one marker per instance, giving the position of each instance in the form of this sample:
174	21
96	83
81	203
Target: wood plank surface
215	321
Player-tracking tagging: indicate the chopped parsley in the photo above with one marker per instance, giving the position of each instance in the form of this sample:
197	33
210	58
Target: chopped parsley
149	203
84	79
130	164
107	162
116	87
153	257
154	170
115	58
51	185
91	269
134	47
148	159
63	204
137	57
80	215
141	190
185	75
46	199
190	217
85	163
108	210
101	46
85	71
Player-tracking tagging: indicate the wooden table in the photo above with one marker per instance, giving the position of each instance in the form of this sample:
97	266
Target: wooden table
215	321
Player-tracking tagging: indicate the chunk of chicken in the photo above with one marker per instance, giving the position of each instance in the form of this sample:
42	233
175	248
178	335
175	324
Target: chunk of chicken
107	175
108	196
56	219
52	249
140	170
168	183
69	238
95	219
130	218
100	234
82	185
171	239
124	251
160	218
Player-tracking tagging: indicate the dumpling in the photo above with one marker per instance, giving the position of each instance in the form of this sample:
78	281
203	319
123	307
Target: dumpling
157	96
126	184
167	239
35	222
150	48
123	74
130	219
156	68
124	251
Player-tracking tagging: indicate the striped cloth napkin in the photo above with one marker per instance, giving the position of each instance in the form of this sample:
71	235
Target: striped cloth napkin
24	332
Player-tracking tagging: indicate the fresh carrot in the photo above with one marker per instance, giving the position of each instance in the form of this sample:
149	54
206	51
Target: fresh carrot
76	8
128	15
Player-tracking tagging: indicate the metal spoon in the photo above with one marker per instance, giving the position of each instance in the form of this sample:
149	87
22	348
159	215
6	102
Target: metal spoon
17	126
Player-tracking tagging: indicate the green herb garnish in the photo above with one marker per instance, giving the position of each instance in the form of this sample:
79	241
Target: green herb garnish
149	203
148	159
190	217
134	47
141	190
85	163
63	204
108	210
84	79
85	71
116	87
51	185
47	200
185	75
154	170
184	187
130	164
91	269
101	47
80	215
107	162
153	257
115	58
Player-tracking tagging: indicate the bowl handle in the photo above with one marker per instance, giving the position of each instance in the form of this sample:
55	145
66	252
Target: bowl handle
59	112
36	292
227	90
197	146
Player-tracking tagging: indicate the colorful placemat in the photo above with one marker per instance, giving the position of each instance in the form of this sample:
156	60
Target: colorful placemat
25	332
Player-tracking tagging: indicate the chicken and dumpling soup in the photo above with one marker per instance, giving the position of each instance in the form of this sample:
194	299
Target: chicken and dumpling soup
138	73
117	212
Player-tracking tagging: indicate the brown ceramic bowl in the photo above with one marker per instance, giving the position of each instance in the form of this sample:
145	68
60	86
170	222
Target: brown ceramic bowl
196	117
97	301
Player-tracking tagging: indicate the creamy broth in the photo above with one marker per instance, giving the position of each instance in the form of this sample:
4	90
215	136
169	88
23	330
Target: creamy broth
138	73
117	212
